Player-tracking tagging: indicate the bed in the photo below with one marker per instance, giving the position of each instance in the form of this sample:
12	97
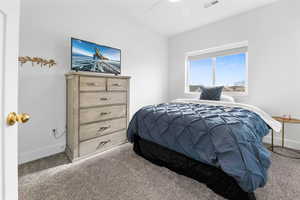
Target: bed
211	141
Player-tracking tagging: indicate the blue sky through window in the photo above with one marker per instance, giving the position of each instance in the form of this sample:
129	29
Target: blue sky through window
201	72
230	71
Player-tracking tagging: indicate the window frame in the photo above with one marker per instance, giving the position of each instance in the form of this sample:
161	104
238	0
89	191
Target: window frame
212	50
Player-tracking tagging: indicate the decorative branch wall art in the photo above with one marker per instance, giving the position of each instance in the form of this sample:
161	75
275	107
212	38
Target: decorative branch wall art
37	60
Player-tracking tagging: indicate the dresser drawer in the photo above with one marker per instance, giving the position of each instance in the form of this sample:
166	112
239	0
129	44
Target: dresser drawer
96	114
102	143
114	84
88	99
92	84
101	128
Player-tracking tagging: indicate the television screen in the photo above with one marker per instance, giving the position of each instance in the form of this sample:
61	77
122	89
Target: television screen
91	57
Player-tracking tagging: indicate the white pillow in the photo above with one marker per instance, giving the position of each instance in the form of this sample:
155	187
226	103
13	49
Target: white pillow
227	98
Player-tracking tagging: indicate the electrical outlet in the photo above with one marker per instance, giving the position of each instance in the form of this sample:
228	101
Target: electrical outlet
56	134
53	133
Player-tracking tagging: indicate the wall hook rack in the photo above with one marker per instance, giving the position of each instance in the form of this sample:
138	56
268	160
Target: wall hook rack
37	60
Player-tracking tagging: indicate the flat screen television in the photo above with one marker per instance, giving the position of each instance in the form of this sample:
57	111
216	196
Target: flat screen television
91	57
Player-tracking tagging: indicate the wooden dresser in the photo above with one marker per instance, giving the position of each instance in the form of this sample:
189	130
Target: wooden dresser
97	113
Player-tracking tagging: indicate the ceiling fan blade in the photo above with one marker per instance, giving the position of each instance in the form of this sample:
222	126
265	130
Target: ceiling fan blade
155	4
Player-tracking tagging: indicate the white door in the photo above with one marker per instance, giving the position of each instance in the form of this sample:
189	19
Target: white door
9	43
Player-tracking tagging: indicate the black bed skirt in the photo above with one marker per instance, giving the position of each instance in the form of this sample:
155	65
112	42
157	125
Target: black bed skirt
214	178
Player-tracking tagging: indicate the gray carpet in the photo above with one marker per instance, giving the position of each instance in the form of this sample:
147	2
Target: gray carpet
120	174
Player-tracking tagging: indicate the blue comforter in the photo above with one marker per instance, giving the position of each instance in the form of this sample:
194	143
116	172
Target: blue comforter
227	138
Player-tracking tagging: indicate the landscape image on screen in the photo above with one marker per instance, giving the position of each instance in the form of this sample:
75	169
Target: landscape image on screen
90	57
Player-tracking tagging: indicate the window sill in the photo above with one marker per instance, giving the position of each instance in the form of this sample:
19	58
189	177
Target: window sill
233	94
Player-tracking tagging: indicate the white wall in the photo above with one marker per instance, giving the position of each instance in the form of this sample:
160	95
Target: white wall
46	28
273	33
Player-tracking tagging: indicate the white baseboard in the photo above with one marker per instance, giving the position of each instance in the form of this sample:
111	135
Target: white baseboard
287	142
25	157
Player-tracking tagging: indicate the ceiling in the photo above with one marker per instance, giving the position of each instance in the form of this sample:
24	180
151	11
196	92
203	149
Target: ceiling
167	18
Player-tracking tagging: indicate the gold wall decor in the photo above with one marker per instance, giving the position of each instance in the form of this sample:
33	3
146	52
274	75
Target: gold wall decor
37	60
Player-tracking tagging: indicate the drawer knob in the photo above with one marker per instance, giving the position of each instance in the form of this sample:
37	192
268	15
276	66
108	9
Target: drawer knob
103	99
101	129
102	143
105	113
91	84
116	84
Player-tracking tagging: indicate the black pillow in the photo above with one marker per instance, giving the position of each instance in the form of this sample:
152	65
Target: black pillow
211	93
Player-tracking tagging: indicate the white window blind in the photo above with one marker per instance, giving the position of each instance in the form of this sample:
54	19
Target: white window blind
219	53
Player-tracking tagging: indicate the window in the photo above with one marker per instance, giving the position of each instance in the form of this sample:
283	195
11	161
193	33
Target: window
224	66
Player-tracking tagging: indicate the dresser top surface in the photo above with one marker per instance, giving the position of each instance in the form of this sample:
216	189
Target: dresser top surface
95	74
